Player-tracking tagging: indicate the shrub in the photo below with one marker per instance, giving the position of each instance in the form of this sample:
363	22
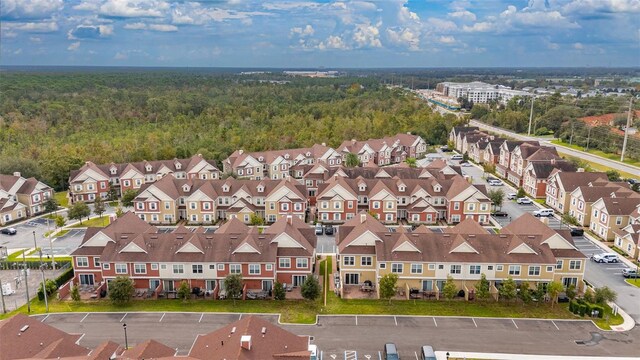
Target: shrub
75	293
599	309
278	291
583	309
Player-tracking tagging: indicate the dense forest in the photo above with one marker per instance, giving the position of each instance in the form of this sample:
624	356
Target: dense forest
559	116
51	122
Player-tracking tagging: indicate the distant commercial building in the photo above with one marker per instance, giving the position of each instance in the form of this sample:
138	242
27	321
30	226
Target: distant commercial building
479	92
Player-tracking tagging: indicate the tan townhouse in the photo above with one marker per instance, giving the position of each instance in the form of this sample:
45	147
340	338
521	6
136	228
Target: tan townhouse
21	197
561	184
525	250
583	197
612	213
628	240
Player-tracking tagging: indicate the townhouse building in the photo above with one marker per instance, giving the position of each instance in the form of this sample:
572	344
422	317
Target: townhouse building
385	151
161	261
583	198
525	154
613	213
628	240
92	181
561	184
278	164
21	197
536	175
421	196
197	201
525	250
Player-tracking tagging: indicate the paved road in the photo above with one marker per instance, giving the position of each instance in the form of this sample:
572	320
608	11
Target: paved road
634	170
596	274
344	336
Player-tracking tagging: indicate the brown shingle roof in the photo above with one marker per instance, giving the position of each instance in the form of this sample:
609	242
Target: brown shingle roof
149	349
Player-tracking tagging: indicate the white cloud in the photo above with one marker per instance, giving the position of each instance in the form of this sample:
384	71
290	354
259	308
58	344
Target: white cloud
35	39
404	37
483	26
133	8
74	46
135	26
163	27
302	32
90	32
286	6
333	42
553	46
121	56
367	35
193	13
29	9
88	5
32	27
405	15
464	15
152	27
606	6
446	39
441	25
578	46
536	18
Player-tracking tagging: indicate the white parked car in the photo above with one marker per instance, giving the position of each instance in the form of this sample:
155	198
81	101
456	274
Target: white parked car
605	258
495	182
524	201
512	196
457	157
543	213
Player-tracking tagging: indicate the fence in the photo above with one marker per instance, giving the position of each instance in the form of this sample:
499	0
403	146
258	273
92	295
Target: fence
34	265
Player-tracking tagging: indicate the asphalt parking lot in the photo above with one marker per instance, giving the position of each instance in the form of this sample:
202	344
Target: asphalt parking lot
362	337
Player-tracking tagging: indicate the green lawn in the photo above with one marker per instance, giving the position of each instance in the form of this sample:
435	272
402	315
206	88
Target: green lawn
61	198
95	222
635	282
613	320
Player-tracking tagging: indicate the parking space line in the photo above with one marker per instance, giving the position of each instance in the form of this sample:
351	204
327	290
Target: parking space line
240	318
162	317
356	320
125	315
554	324
80	338
45	318
434	321
201	316
416	354
396	320
84	317
514	323
474	322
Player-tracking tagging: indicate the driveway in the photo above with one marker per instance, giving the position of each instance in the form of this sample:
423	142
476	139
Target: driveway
340	337
596	274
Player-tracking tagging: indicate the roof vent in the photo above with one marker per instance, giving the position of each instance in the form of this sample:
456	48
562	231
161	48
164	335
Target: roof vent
233	329
264	330
445	235
471	235
24	328
531	237
245	342
124	237
503	235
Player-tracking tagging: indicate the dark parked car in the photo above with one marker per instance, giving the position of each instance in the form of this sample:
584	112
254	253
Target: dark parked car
9	231
575	231
328	230
499	214
562	297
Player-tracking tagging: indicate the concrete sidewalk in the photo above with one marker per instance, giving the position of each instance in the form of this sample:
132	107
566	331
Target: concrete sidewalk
628	323
442	355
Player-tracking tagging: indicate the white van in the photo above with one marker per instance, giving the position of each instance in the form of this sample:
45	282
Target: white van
543	213
427	353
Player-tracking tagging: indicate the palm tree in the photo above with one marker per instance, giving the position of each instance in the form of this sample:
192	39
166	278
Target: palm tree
351	160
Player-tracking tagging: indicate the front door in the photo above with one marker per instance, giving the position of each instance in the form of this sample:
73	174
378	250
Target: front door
168	285
352	279
86	279
154	283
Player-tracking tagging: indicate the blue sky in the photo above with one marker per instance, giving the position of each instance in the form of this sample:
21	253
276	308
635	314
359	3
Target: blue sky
275	33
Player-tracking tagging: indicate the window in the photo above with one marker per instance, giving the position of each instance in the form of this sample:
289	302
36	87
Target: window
483	207
285	263
154	266
456	206
455	269
235	269
337	205
534	270
302	263
324	205
297	207
272	206
196	269
139	206
471	206
284	207
549	268
96	262
139	268
220	267
575	264
82	262
474	269
397	268
432	266
559	264
514	270
389	204
348	260
490	267
365	261
192	205
178	269
382	266
619	220
388	217
440	267
416	268
254	269
350	204
376	204
106	266
121	268
499	268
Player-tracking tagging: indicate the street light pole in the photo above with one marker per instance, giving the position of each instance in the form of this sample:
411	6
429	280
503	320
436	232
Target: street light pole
44	282
4	309
26	281
126	341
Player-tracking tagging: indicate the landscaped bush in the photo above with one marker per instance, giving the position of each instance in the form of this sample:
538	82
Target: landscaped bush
583	309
